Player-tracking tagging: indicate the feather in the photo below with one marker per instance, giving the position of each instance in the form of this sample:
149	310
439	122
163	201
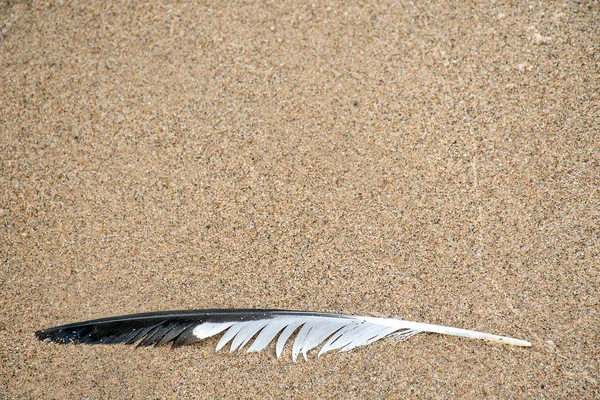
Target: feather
339	331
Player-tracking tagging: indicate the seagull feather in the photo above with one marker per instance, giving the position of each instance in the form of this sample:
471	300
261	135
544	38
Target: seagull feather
340	332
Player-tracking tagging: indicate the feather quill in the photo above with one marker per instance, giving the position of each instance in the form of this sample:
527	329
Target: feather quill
340	332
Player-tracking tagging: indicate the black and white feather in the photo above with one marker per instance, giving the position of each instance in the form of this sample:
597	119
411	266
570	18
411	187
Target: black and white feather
239	326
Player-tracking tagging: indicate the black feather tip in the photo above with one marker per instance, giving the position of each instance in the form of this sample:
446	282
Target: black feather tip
146	329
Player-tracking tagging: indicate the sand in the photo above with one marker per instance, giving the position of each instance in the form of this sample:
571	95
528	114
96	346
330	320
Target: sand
437	162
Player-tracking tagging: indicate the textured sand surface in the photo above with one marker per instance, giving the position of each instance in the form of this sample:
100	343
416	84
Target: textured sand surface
435	161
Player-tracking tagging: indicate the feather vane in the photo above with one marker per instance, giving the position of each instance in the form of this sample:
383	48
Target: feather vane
340	332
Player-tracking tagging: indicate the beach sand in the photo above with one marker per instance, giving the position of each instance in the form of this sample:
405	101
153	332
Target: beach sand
435	162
